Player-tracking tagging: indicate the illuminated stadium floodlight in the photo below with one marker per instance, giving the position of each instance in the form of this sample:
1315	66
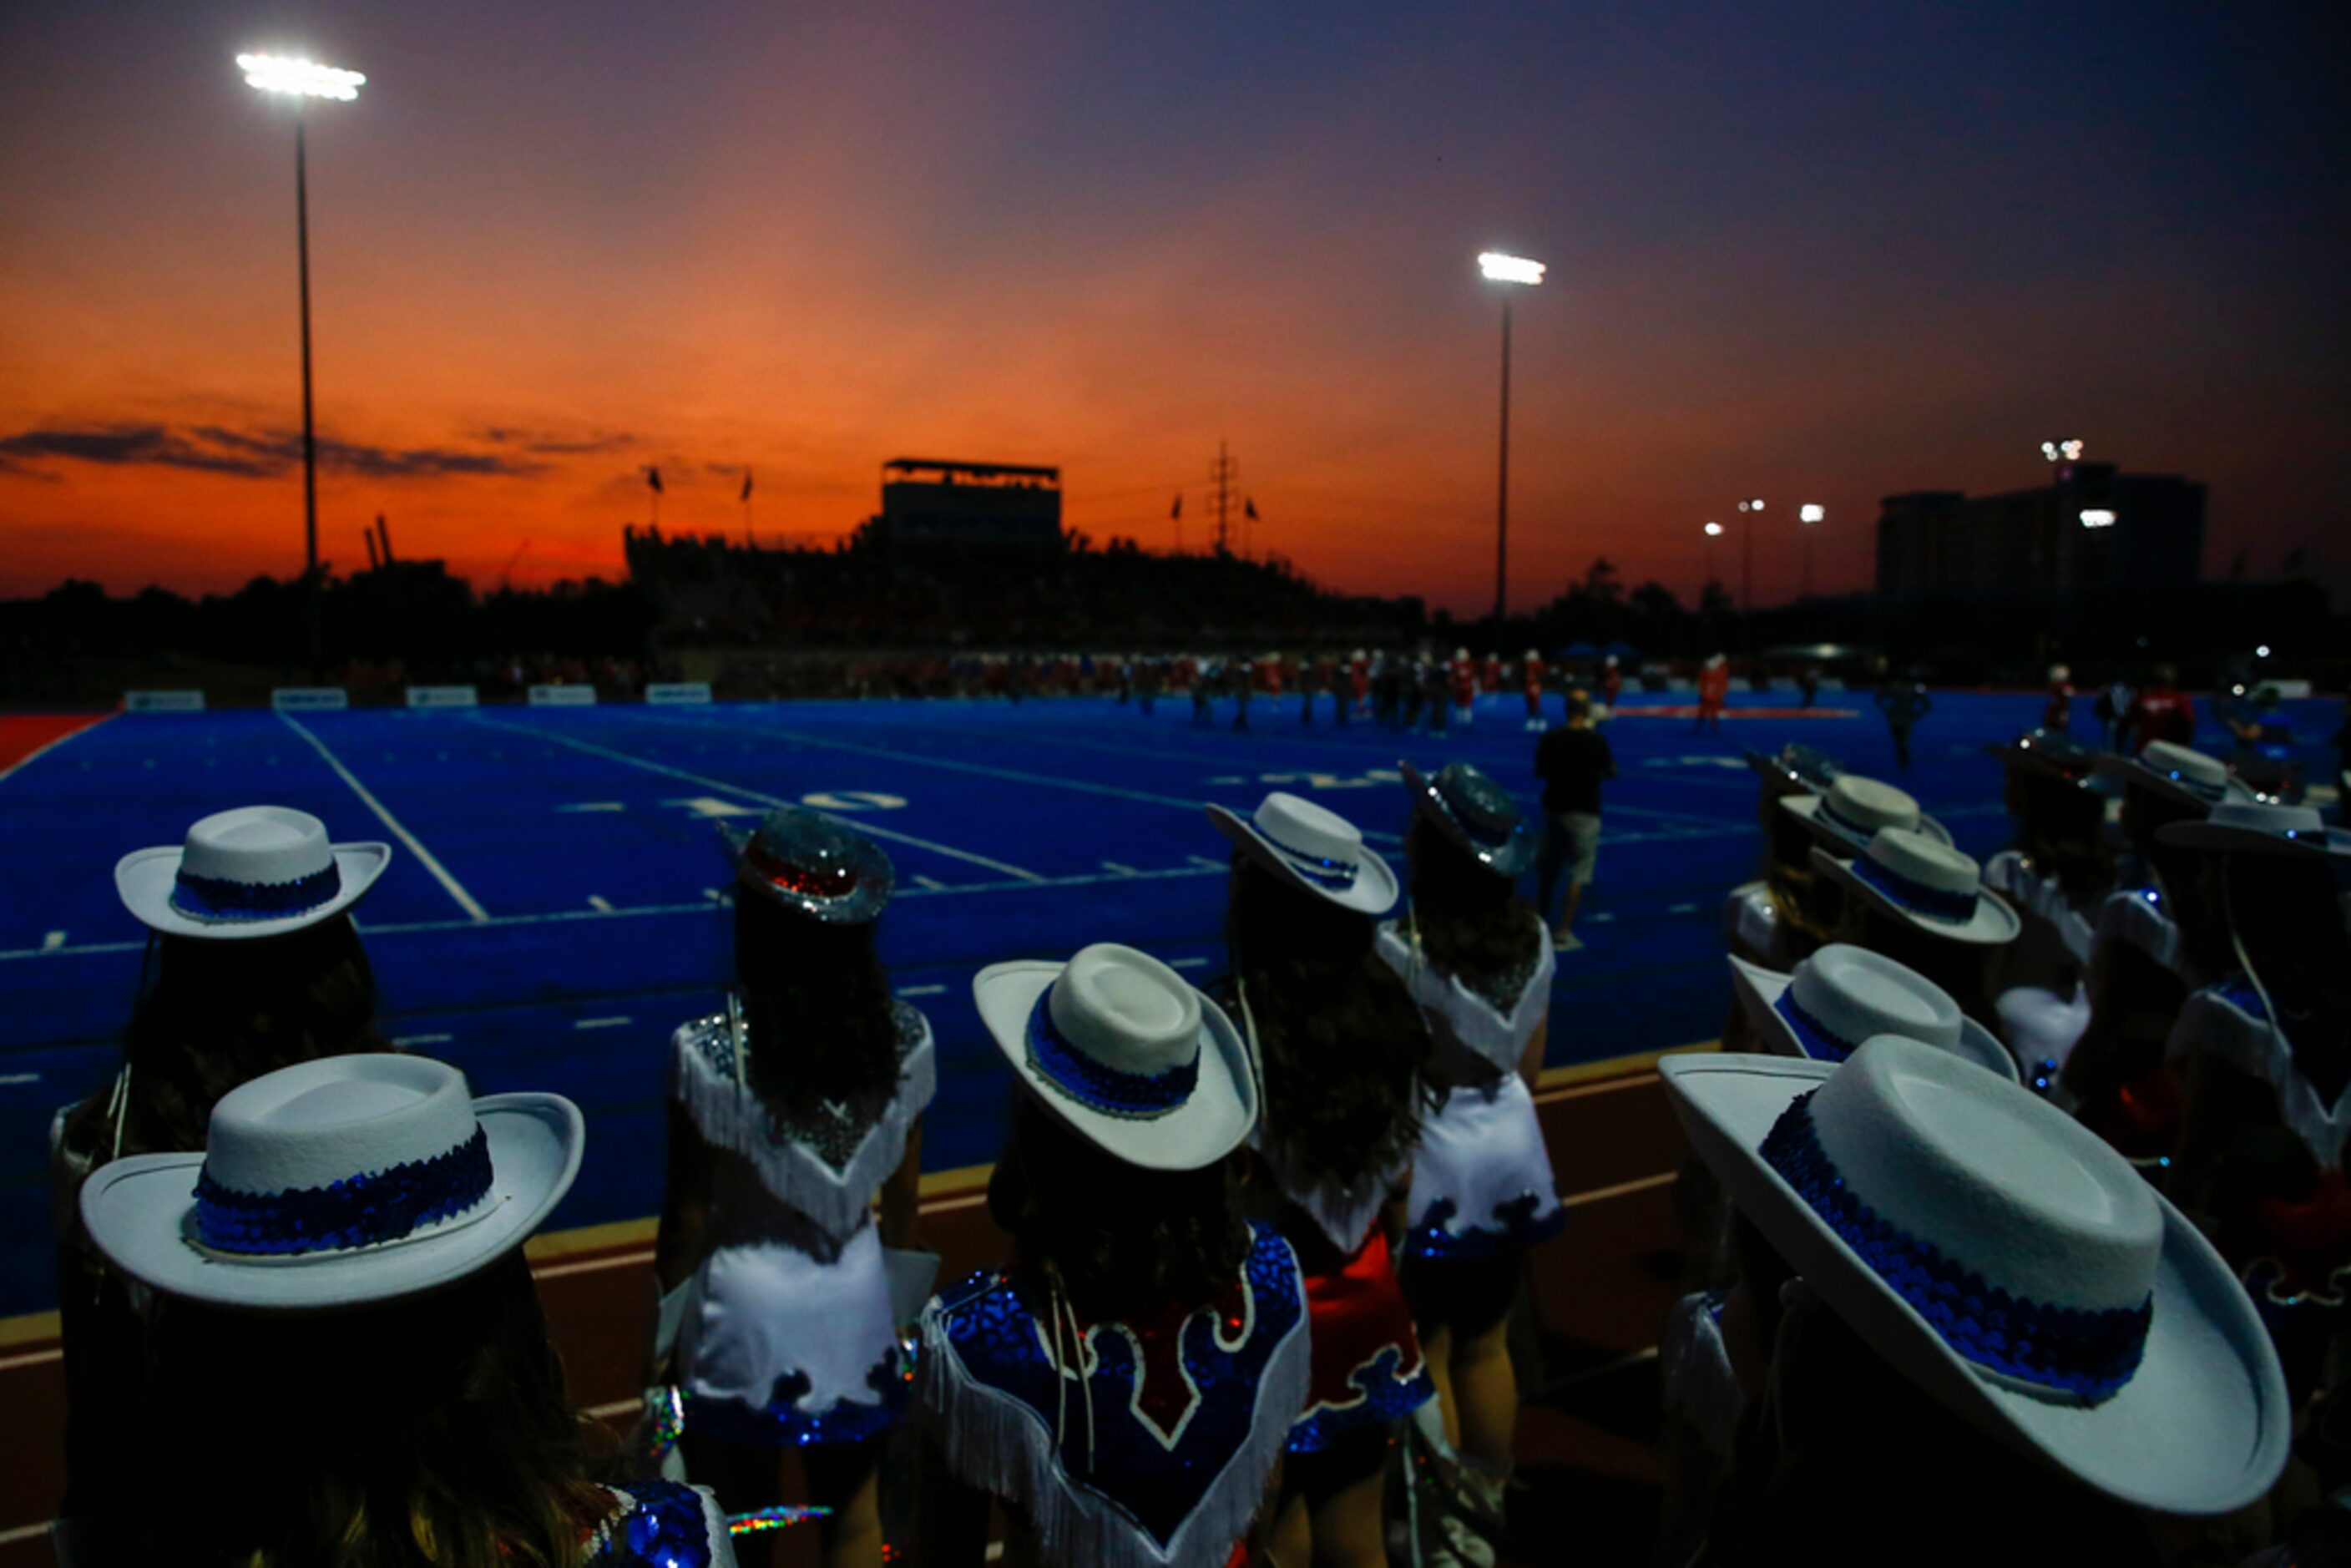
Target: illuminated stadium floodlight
1498	267
300	77
2065	449
1714	530
2097	517
1811	512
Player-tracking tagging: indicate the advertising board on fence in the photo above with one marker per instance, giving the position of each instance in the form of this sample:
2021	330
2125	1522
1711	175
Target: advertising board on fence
164	701
443	697
309	698
563	697
666	693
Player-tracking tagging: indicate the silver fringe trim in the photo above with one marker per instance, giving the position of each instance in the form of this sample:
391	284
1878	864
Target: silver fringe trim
731	1116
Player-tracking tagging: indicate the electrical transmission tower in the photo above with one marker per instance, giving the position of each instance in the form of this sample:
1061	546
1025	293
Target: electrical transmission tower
1221	475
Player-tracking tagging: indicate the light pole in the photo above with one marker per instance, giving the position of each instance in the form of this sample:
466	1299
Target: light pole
1498	267
1747	556
1809	514
299	80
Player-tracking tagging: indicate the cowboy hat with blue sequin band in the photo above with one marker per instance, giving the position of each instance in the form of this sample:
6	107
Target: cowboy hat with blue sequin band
255	871
2005	1260
1844	995
2176	773
1928	884
2246	828
811	864
1125	1052
1474	812
1852	809
2057	755
1317	850
336	1182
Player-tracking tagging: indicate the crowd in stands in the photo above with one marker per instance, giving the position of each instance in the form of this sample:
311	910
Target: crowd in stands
2019	1225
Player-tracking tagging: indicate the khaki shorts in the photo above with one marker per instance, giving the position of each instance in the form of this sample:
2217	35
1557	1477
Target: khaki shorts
1571	843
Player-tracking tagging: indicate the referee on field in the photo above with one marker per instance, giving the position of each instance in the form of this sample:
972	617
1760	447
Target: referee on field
1572	763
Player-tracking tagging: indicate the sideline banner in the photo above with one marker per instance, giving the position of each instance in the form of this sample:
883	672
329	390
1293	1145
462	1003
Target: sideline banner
443	697
164	701
563	697
669	693
310	698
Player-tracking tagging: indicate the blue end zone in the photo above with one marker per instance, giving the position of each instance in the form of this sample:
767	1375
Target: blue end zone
585	838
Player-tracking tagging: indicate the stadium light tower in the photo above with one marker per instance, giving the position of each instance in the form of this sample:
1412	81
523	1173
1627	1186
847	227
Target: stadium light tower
1747	554
1508	270
300	80
1808	514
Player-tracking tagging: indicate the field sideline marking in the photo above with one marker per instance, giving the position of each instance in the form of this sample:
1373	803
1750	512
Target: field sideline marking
450	884
868	829
48	745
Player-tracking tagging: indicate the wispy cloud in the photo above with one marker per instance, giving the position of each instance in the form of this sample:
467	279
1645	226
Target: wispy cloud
550	443
250	454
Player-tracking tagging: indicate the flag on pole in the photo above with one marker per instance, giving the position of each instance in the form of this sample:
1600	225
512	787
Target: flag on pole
1248	510
1177	511
653	478
747	484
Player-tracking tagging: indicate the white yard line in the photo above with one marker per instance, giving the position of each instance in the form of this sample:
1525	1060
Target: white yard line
708	783
449	885
48	745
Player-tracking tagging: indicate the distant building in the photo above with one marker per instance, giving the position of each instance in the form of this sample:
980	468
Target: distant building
2096	530
925	501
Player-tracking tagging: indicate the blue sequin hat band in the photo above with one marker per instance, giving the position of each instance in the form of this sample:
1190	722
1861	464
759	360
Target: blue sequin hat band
1821	1042
373	1209
2084	1355
1095	1084
217	898
1919	897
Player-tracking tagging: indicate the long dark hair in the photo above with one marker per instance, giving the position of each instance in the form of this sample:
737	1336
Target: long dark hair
223	1012
816	1003
431	1430
2061	826
1842	1456
2187	879
2289	928
1119	1239
1472	923
1347	1060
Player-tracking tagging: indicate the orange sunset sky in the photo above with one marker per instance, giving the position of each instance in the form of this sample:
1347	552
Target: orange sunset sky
1813	254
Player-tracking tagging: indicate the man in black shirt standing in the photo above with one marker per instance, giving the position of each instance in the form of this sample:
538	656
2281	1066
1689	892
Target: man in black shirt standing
1571	762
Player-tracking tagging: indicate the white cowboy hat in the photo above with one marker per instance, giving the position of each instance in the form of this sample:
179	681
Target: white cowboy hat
1931	885
1317	850
1126	1053
255	871
1796	765
2245	827
1844	995
2005	1260
2178	774
334	1182
1852	809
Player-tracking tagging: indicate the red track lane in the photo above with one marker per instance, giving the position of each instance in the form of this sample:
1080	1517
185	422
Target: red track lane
25	735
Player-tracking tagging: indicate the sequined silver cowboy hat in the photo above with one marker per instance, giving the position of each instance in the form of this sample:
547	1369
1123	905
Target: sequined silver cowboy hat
1477	813
810	863
2005	1260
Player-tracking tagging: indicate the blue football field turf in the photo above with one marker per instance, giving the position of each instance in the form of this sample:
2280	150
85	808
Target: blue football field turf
564	914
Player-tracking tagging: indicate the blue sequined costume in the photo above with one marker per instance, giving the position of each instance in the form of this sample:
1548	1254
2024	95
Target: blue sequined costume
1156	1454
661	1524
